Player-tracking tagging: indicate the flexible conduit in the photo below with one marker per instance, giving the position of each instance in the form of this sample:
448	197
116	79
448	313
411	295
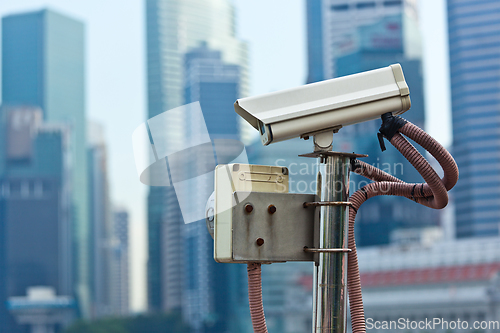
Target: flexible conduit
433	193
255	297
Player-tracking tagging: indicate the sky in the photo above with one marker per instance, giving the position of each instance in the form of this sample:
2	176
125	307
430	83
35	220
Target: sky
276	33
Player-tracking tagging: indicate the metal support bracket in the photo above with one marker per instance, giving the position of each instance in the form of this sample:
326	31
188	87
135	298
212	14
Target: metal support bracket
328	203
307	249
272	227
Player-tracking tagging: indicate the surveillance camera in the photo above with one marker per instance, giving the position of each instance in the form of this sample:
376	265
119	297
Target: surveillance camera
325	105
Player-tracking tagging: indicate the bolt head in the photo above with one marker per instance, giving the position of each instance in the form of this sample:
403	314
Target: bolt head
271	209
248	208
260	241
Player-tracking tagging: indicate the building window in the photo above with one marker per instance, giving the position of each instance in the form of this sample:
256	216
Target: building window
38	189
339	8
5	189
363	5
393	3
15	187
25	189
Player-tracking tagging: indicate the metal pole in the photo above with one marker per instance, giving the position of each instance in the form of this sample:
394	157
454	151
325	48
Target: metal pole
330	278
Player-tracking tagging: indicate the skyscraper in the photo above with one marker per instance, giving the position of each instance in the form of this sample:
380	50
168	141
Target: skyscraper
120	263
363	36
474	36
35	216
43	66
216	85
314	41
100	223
207	291
109	235
341	20
174	27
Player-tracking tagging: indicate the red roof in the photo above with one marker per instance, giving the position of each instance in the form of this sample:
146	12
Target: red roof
434	275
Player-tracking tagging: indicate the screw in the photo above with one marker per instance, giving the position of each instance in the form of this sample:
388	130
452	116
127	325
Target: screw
271	209
260	241
248	208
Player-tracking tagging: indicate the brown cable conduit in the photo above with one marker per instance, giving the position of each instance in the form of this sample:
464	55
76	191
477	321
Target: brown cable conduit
255	297
433	193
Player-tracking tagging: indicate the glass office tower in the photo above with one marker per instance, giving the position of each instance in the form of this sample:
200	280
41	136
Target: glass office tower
173	27
43	65
210	289
314	41
341	20
474	36
100	222
120	262
35	213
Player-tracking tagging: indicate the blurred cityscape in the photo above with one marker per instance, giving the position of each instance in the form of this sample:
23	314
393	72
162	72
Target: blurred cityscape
64	243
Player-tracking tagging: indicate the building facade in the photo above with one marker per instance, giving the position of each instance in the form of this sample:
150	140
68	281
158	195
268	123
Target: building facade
173	27
35	241
208	289
315	70
100	223
474	35
120	284
340	21
43	66
109	229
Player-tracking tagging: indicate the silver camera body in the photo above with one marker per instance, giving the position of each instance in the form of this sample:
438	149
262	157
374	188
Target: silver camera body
326	105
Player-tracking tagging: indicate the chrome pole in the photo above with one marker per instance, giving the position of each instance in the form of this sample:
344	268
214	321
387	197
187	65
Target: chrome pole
330	276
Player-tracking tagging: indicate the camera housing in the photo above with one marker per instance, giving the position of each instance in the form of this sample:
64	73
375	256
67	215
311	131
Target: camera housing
326	105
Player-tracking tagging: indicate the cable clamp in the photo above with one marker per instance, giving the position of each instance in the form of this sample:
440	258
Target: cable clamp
413	193
390	126
381	141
